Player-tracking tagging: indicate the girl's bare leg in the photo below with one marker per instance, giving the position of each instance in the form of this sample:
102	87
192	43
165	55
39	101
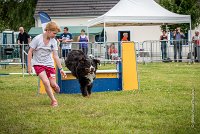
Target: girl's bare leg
54	85
47	85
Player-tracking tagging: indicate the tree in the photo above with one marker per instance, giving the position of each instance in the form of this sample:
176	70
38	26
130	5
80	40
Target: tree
16	13
3	25
188	7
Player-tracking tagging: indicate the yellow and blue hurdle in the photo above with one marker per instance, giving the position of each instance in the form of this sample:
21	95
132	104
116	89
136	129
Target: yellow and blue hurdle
124	78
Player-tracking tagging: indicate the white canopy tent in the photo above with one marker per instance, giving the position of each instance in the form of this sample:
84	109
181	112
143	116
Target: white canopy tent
138	12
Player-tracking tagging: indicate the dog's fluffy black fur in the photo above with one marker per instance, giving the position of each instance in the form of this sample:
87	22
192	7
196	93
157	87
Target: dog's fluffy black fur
83	68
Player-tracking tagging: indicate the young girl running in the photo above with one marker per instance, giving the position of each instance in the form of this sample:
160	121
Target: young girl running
44	50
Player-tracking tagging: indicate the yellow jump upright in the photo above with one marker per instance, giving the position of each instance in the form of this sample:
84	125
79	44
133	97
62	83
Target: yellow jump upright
129	67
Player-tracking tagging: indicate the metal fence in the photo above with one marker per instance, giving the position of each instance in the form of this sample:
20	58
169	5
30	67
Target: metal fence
147	51
177	51
14	54
156	50
98	50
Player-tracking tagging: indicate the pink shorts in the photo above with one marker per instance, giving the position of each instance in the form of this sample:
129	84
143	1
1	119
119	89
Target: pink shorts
51	72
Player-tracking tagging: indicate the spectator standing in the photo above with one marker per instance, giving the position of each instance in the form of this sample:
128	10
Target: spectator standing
196	41
23	38
163	39
178	42
83	39
65	42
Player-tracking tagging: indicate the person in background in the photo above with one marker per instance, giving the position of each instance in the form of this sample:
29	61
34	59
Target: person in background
83	39
125	37
163	40
42	48
112	52
23	38
178	42
196	41
65	42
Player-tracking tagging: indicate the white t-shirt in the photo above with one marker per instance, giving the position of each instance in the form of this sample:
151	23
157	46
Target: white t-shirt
42	54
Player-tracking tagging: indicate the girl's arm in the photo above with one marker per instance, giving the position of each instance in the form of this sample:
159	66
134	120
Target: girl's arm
57	60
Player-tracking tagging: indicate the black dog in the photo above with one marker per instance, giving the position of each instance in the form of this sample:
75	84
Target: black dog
83	68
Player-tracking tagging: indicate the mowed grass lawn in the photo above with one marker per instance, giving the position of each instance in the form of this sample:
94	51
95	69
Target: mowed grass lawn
162	105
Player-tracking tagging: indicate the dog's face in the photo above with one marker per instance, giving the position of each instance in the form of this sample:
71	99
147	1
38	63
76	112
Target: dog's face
87	69
91	65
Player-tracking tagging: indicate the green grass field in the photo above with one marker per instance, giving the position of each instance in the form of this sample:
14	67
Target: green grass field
162	105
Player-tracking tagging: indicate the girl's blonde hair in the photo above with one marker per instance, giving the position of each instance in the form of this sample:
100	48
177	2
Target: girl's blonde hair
52	26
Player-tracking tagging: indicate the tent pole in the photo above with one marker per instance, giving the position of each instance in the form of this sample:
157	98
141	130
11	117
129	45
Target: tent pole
88	35
104	34
190	40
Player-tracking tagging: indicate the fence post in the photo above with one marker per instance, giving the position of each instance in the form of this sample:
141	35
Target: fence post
143	49
192	49
151	52
23	58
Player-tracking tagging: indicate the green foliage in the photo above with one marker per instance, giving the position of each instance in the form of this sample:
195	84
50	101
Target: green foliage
162	105
16	13
187	7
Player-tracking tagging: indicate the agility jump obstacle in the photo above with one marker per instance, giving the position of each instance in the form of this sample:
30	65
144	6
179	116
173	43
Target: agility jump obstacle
124	78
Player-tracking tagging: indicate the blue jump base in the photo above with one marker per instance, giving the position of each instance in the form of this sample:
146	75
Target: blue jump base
72	86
